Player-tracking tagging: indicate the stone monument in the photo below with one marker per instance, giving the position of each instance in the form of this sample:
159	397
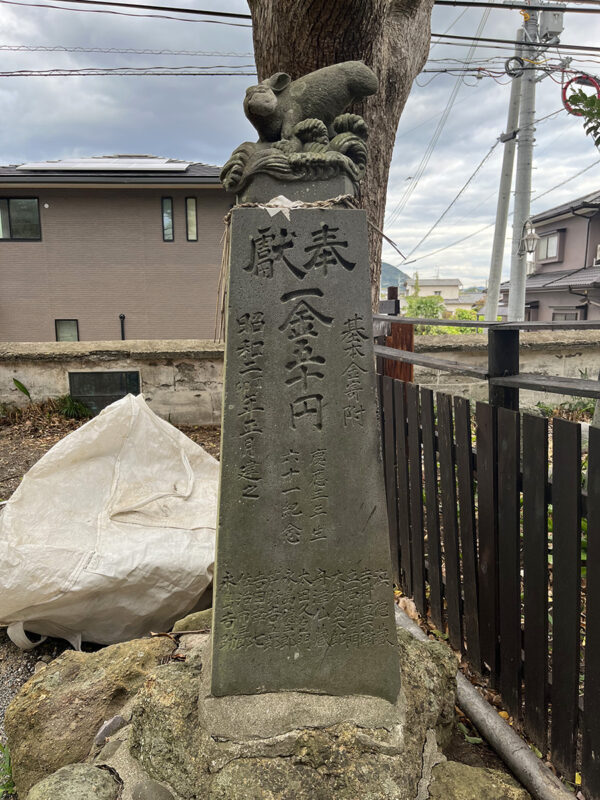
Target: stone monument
302	690
303	594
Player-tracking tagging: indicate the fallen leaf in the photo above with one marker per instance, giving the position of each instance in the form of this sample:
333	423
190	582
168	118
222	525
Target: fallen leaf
407	605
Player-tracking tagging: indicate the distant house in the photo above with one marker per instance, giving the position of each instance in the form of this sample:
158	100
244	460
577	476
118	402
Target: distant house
94	248
564	283
449	289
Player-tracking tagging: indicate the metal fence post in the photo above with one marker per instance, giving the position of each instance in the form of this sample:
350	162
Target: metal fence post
503	359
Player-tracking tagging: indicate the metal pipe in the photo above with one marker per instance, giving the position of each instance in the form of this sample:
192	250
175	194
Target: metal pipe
122	318
515	753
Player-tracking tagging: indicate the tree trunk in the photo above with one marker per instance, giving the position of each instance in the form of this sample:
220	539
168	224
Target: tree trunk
391	36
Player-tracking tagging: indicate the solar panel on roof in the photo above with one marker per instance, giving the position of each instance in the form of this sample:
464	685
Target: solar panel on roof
118	164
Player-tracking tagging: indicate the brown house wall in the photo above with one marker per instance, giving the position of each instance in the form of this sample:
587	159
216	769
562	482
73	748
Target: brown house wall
102	254
554	301
575	236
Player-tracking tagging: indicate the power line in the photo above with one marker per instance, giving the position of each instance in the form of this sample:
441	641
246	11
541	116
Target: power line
172	9
436	135
125	13
455	200
449	28
561	46
470	179
22	48
90	72
518	6
233	15
491	224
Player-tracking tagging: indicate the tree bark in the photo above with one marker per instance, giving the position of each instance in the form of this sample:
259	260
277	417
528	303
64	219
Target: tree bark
391	36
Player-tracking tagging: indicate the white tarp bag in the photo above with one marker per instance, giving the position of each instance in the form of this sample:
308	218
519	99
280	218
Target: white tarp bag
111	534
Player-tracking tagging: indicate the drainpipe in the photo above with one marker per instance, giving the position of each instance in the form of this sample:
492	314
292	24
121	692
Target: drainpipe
587	235
515	753
587	243
122	318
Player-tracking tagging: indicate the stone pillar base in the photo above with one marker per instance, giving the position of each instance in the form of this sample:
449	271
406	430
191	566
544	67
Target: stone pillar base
289	745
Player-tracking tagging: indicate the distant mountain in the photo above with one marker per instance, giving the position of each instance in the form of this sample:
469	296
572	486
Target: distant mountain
392	276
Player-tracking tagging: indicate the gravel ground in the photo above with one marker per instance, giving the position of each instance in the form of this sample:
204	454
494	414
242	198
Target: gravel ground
17	666
23	441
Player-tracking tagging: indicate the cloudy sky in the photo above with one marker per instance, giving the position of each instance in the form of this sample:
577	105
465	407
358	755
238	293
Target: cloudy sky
201	118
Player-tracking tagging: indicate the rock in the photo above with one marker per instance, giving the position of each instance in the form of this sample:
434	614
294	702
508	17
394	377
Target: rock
137	785
150	790
199	621
76	782
108	728
454	781
290	745
54	718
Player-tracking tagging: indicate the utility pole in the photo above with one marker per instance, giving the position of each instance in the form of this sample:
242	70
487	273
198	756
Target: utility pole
536	39
508	159
518	262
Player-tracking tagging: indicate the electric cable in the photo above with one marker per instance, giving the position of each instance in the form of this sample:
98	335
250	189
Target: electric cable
513	6
436	135
449	28
561	46
172	9
90	72
455	199
470	179
21	48
124	13
491	224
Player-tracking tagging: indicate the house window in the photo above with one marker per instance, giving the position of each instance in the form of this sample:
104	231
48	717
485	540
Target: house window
564	316
67	330
191	219
548	247
438	292
167	219
20	218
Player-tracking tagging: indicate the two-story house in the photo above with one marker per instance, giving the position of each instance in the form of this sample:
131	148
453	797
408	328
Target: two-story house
109	248
448	289
564	282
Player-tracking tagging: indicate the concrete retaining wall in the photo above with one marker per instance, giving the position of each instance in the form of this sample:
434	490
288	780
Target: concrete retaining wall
571	354
181	380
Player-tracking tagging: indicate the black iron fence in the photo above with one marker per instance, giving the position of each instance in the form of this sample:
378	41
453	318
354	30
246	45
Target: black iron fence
495	533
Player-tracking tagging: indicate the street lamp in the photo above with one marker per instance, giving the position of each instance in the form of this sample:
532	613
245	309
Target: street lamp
529	239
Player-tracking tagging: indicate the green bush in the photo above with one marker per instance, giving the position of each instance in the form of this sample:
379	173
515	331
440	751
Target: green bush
7	786
71	408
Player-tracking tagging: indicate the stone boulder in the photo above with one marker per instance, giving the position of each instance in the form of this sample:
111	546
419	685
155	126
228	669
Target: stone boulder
290	745
53	720
454	781
198	621
77	782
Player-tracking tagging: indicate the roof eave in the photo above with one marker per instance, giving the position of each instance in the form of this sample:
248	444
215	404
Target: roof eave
565	211
107	179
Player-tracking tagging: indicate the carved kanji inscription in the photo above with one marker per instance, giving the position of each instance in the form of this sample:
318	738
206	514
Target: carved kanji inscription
303	595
